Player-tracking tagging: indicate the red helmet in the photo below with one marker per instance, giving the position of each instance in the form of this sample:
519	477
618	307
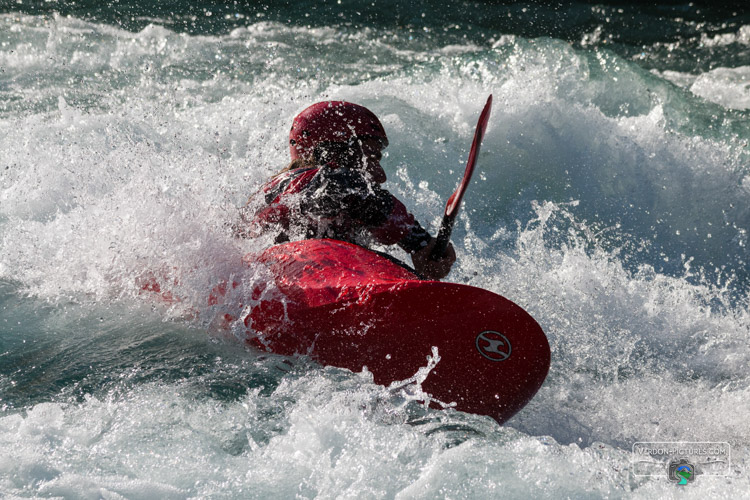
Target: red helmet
332	121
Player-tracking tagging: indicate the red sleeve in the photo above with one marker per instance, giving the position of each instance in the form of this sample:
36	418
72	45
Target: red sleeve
277	213
396	227
300	181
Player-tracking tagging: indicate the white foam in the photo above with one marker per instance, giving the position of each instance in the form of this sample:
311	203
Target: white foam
742	36
324	434
729	87
139	168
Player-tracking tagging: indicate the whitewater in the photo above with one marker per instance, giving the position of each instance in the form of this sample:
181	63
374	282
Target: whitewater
611	201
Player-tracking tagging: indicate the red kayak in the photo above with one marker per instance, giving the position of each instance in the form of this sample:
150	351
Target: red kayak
346	306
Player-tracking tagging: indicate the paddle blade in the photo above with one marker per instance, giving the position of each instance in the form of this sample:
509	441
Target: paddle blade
454	202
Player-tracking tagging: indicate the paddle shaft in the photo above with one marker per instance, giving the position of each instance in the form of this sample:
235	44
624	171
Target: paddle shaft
443	237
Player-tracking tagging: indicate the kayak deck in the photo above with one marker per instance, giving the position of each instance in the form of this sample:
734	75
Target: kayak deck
346	306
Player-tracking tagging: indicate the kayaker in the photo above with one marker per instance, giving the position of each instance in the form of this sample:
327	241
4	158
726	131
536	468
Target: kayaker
332	189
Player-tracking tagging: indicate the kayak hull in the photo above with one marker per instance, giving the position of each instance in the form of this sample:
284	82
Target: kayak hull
346	306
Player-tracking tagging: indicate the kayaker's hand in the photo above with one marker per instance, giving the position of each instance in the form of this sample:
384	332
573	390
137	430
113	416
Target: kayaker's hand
433	269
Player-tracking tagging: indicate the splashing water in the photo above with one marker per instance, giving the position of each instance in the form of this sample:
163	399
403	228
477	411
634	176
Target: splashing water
610	201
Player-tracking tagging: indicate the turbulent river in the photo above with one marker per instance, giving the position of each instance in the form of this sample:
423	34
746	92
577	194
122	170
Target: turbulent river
611	201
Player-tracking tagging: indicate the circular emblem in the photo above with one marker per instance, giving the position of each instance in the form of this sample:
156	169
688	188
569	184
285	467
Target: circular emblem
493	345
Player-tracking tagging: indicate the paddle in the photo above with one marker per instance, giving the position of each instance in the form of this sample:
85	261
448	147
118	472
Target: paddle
454	202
